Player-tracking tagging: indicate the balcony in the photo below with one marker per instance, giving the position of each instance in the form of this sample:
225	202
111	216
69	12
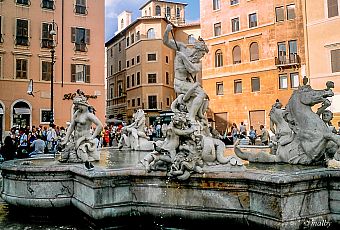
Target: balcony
293	61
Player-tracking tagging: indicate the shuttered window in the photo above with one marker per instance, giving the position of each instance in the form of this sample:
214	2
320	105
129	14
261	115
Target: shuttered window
219	88
21	69
46	70
335	60
279	11
218	58
333	9
290	12
236	55
254	51
217	29
80	73
255	84
238	86
80	37
22	32
46	37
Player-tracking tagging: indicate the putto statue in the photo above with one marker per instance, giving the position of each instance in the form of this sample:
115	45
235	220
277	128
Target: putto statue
189	144
134	135
79	145
302	137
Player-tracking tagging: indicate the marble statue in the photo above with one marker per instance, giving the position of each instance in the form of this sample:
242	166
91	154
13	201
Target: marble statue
134	136
189	145
307	140
79	143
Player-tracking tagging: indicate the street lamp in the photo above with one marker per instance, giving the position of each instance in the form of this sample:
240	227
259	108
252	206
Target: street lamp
52	46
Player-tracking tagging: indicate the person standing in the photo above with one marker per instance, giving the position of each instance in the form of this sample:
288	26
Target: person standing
234	132
243	130
252	135
38	145
8	150
264	135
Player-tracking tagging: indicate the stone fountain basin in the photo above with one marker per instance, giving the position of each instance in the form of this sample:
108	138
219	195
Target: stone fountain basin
278	196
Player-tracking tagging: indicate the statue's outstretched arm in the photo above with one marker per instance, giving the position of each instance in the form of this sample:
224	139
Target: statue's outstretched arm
170	42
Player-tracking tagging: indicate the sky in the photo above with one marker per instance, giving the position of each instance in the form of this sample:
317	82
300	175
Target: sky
114	7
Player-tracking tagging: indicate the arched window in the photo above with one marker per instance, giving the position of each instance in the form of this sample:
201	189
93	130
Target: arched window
122	23
137	36
191	39
254	51
236	55
21	114
218	58
168	12
158	11
151	33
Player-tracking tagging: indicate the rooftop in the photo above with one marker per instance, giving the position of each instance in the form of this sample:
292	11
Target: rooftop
179	3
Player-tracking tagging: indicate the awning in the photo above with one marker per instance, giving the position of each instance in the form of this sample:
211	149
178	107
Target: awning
1	111
22	111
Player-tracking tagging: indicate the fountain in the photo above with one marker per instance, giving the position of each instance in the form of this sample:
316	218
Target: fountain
188	179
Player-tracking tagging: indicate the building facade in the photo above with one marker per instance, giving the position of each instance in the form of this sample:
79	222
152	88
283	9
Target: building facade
25	54
323	42
148	65
257	55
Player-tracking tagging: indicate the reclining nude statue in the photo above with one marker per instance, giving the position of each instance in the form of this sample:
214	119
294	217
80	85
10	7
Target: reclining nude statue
79	145
189	145
304	136
134	135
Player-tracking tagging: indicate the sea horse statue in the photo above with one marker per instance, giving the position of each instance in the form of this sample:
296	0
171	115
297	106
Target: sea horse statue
310	135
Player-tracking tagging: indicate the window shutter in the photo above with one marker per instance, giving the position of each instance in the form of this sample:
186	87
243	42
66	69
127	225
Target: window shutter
335	60
87	36
73	34
73	73
87	72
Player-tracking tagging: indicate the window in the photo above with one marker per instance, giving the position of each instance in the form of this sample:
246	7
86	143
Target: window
216	4
236	55
191	39
127	64
152	78
1	38
332	8
128	103
80	7
119	47
283	81
138	101
255	84
22	32
291	12
21	69
45	116
128	82
219	88
132	61
81	38
280	16
254	51
133	103
158	11
132	80
238	86
127	41
111	69
122	23
294	80
111	52
293	51
152	57
119	65
167	78
235	24
132	38
282	52
217	29
151	33
112	88
218	58
138	78
46	70
168	12
137	36
138	59
166	59
80	73
47	38
233	2
178	12
47	4
168	101
252	20
152	101
120	88
23	2
335	60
